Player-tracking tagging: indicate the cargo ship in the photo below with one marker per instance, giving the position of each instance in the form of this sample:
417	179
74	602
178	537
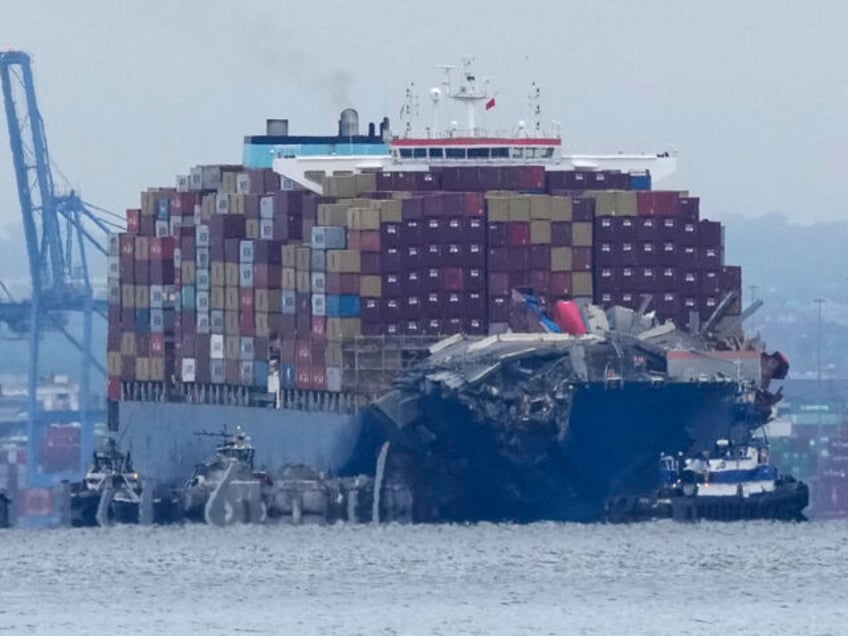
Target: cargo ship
287	293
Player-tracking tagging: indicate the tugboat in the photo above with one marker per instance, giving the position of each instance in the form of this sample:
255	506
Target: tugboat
110	491
226	488
737	483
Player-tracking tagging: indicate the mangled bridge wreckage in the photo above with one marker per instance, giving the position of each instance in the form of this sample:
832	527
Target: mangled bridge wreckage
529	426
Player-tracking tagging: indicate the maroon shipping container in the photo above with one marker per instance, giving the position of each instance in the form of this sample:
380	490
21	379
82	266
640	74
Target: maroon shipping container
499	308
412	258
559	285
730	277
226	226
412	209
267	276
498	284
453	278
583	210
498	259
474	279
540	257
690	208
518	234
232	250
581	259
390	235
560	234
498	234
519	279
540	280
267	251
162	272
371	309
371	263
658	203
710	234
392	286
474	204
565	180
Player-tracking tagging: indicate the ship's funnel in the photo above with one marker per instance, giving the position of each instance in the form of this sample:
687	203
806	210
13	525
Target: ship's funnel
277	127
349	123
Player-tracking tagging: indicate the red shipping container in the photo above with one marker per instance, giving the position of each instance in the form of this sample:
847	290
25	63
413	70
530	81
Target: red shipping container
559	284
288	325
133	221
303	351
246	323
518	234
319	378
369	241
319	325
473	203
498	259
113	387
453	278
127	247
657	203
246	299
157	345
303	376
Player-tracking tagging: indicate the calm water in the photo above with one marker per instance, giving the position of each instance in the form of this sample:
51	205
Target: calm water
656	578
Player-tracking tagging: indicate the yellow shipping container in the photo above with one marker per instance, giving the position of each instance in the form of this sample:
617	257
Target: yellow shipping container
581	284
540	232
561	259
519	209
498	209
541	208
581	234
561	209
370	286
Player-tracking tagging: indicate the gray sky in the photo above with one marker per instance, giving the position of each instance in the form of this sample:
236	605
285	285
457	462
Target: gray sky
753	94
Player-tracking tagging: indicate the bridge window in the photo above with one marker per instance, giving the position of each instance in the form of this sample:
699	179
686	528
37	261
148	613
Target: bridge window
478	153
500	153
437	153
419	153
455	153
406	153
530	153
517	153
548	153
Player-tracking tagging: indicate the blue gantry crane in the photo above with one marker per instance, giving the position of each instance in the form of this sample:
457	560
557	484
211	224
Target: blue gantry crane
59	229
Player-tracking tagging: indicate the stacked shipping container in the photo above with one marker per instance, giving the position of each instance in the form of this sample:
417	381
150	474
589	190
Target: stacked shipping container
226	275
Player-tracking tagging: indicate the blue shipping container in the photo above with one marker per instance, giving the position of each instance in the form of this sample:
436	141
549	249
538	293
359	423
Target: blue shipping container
142	321
260	373
188	298
289	376
343	306
163	209
640	181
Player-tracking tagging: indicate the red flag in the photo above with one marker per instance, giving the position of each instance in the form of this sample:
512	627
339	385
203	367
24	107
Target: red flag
490	104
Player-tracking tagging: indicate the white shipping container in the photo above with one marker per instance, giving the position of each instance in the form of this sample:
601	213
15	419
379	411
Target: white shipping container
289	302
195	179
222	204
189	367
202	279
246	275
266	229
202	322
201	235
216	347
202	257
202	302
319	305
211	177
113	265
246	351
334	379
286	183
216	321
178	258
319	283
246	251
157	297
114	244
266	207
182	183
176	223
243	183
162	229
157	320
328	237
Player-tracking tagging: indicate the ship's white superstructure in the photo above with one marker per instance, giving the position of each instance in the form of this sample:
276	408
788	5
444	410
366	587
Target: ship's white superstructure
528	143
